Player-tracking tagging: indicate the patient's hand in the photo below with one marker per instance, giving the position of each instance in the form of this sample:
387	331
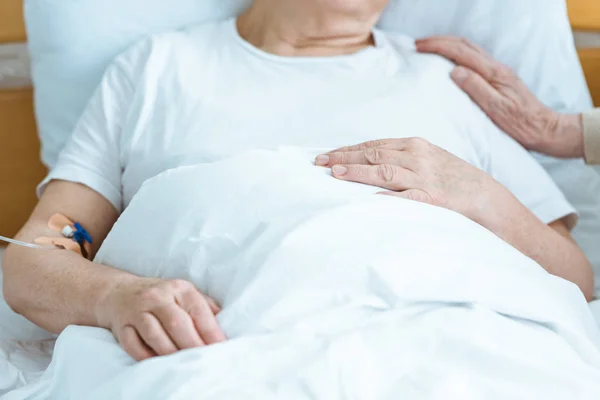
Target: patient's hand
154	317
418	170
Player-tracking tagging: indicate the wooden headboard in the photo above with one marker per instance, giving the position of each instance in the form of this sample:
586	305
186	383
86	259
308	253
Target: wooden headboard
19	147
585	17
20	164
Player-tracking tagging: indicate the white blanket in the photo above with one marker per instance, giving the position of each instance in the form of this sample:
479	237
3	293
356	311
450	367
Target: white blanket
331	292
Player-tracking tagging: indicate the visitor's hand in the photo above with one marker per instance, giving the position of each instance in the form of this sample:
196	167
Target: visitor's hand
507	101
154	317
417	170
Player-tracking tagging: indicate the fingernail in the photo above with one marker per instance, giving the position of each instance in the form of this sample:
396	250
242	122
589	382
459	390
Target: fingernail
460	74
322	160
339	170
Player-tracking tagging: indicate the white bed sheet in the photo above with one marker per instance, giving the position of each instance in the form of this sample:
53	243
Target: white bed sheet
350	319
23	363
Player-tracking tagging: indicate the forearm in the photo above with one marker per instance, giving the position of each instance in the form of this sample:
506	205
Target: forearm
56	288
591	136
566	139
557	254
574	136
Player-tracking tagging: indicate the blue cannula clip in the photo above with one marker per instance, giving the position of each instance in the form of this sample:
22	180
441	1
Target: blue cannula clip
81	235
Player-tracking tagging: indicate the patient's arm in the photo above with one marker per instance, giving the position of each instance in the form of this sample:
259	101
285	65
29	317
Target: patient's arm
417	170
550	245
58	288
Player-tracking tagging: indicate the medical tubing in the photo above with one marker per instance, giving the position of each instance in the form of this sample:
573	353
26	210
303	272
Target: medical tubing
20	243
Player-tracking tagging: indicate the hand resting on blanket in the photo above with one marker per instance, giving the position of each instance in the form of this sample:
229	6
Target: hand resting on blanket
151	317
418	170
148	316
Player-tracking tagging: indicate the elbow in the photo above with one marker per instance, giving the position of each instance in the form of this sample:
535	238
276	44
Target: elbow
587	285
581	273
12	299
589	294
9	285
588	291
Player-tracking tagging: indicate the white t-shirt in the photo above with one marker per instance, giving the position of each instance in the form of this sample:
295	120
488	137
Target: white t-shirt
204	94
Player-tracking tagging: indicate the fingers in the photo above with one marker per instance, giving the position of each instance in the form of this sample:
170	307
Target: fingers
386	176
179	326
154	335
384	143
398	144
198	308
214	307
436	41
152	317
133	344
370	156
463	53
480	91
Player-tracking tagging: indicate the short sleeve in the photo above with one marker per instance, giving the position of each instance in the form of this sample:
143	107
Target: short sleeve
92	155
511	165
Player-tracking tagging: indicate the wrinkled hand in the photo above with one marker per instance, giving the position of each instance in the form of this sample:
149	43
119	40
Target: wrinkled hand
506	99
417	170
154	317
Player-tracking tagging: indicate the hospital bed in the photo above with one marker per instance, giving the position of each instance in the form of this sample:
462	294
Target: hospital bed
19	148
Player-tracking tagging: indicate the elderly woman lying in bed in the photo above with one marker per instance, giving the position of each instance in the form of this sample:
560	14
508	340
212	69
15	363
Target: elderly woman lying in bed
306	74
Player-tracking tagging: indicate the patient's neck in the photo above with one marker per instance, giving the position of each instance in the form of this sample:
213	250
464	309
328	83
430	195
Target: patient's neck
278	28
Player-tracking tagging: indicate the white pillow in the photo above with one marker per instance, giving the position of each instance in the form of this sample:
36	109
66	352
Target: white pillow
72	42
